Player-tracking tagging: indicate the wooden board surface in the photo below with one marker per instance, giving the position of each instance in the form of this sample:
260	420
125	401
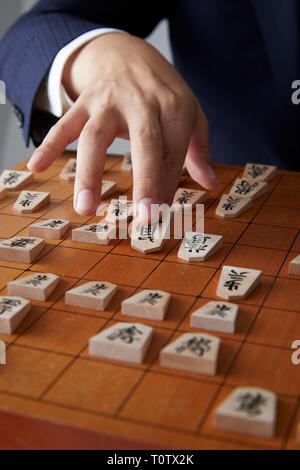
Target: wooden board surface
54	395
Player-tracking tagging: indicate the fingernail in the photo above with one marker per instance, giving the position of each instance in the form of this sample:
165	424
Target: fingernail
213	174
35	158
144	210
85	201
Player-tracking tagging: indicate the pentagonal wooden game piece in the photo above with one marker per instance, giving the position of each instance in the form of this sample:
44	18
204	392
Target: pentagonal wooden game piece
127	162
12	312
95	295
119	211
188	198
237	283
215	316
253	189
3	192
122	341
248	410
259	172
107	188
192	352
52	228
13	179
69	170
100	233
147	238
151	304
30	201
21	249
294	266
233	206
35	286
198	246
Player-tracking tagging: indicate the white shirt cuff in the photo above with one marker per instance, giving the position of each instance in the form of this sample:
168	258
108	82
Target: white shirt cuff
52	96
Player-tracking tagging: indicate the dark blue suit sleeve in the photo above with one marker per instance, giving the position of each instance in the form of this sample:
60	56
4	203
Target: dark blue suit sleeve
29	47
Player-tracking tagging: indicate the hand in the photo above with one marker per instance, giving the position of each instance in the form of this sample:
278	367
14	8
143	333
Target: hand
125	88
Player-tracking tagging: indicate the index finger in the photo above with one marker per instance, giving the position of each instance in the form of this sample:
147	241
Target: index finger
147	162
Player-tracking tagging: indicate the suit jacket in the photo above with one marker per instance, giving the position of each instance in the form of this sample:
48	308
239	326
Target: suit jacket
239	57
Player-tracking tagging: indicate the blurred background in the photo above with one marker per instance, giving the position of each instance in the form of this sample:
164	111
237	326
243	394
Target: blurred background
12	148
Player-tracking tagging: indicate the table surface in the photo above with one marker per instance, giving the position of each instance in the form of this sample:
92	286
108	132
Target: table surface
54	395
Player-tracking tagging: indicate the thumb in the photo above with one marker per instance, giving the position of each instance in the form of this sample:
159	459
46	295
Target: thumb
198	161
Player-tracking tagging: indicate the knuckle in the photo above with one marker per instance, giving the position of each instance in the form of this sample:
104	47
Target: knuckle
136	95
142	179
145	183
58	133
142	183
140	192
47	147
174	102
148	134
50	145
108	95
61	128
172	162
142	100
53	133
87	176
92	132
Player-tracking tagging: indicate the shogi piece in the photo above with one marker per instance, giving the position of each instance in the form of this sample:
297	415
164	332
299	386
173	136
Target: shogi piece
95	295
127	162
259	172
69	170
120	211
12	312
150	304
198	246
100	233
147	238
253	189
52	228
294	266
107	188
21	249
233	206
3	192
13	180
215	316
192	352
36	286
248	410
122	341
237	283
188	198
31	201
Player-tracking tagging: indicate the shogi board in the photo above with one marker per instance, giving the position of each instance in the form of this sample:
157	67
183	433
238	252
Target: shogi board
54	395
